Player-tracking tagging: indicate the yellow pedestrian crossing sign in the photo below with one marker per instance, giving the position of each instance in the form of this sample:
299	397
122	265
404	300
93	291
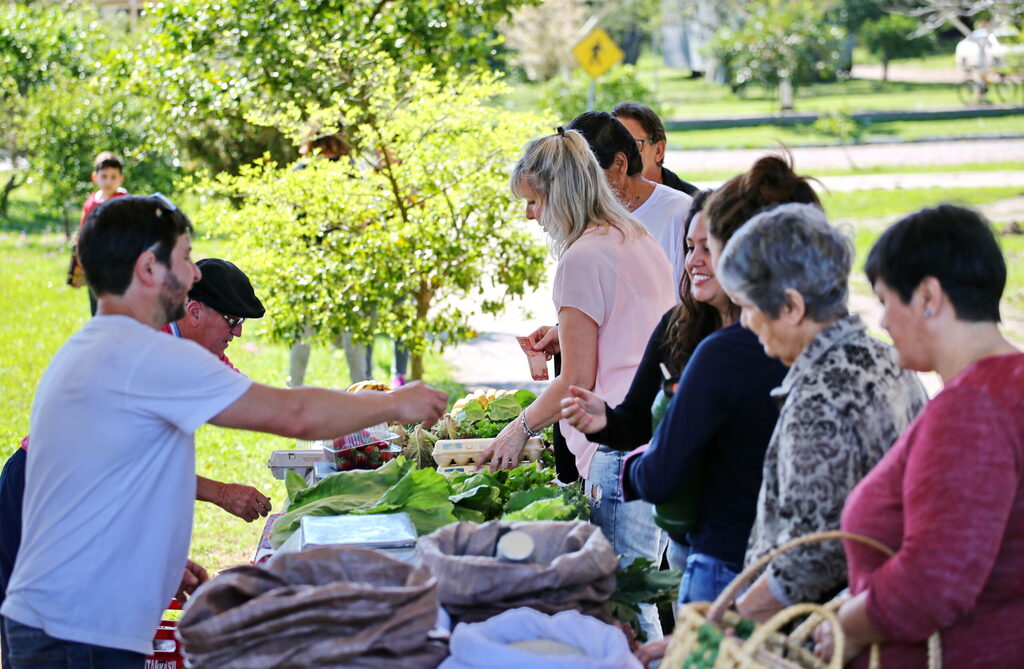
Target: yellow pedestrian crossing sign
597	53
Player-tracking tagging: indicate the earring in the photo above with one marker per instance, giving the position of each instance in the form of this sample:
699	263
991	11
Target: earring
927	313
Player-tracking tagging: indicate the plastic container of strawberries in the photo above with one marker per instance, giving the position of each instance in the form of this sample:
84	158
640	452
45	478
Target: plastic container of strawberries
366	456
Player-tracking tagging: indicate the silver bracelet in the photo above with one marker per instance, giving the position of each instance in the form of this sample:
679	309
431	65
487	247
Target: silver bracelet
530	434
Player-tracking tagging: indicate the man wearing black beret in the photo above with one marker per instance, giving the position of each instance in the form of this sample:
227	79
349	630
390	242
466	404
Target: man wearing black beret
217	307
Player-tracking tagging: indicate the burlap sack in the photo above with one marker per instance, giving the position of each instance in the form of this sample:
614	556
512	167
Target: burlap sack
573	568
325	607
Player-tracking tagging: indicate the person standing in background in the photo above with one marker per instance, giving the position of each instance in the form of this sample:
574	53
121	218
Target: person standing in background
649	133
108	175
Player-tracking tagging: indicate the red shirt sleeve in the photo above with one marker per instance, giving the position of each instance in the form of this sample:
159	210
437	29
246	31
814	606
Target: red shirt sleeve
959	487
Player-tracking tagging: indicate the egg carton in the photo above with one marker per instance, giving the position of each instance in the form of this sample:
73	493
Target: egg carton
450	453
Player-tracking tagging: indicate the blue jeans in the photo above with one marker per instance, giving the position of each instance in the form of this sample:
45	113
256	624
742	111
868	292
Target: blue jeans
677	554
705	578
628	526
32	648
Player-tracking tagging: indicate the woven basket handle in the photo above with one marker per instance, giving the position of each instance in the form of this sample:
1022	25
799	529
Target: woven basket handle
786	616
728	596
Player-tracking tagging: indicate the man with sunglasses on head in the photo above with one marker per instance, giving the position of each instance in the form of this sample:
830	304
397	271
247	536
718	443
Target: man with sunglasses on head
223	287
110	478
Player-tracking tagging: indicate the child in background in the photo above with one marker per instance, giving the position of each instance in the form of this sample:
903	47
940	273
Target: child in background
108	175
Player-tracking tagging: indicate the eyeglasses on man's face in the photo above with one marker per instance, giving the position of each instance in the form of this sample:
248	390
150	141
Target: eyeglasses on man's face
232	321
640	143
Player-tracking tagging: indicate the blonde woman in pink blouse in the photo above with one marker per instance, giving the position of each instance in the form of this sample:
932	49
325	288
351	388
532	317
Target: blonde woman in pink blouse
612	285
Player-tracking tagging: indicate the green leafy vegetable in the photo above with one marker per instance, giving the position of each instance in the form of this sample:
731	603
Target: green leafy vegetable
293	483
395	487
505	408
552	508
642	583
522	499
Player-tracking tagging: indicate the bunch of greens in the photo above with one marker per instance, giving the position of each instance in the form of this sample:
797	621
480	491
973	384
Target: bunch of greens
642	583
523	493
548	503
431	499
500	410
396	487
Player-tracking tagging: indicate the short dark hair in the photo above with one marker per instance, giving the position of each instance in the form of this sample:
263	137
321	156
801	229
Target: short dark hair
606	137
957	246
108	159
643	115
118	231
769	182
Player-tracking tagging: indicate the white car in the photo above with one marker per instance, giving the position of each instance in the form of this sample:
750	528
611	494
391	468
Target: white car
988	49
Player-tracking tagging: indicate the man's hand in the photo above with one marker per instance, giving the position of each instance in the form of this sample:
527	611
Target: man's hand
545	338
194	577
584	410
419	403
506	451
243	501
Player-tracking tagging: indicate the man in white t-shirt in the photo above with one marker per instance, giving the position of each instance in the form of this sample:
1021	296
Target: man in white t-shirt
662	210
110	477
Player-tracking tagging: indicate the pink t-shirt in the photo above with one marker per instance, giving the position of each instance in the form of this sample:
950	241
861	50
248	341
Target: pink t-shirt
625	286
949	498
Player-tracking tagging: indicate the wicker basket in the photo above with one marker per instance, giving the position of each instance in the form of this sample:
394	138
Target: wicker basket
713	636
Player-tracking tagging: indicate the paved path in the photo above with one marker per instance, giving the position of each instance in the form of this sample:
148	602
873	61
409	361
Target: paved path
949	75
809	159
494	359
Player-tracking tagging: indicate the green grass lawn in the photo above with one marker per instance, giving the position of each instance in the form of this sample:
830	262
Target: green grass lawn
881	203
678	96
38	312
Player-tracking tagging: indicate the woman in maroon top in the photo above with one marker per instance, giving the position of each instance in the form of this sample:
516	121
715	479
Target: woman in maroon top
949	495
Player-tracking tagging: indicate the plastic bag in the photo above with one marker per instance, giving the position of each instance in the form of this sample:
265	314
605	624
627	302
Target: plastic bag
486	645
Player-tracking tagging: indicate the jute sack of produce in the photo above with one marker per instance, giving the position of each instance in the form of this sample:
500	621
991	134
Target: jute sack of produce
325	607
572	568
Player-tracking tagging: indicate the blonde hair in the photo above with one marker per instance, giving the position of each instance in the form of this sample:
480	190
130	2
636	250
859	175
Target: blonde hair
563	171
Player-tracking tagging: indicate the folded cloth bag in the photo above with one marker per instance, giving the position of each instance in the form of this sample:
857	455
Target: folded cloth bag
572	568
485	645
324	607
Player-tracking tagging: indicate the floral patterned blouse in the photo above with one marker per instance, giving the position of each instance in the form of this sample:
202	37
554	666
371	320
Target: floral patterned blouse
844	402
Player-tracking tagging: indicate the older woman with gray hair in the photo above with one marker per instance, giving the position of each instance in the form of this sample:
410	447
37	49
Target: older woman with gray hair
843	402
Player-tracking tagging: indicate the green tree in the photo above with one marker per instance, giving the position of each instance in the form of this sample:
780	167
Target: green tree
38	45
72	120
782	43
409	234
209	64
888	37
567	96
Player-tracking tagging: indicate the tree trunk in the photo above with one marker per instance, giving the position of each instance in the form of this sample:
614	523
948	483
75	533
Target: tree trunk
885	70
423	299
67	224
11	184
786	95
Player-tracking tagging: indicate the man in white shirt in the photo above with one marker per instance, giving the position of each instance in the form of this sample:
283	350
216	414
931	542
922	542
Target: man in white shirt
659	208
110	479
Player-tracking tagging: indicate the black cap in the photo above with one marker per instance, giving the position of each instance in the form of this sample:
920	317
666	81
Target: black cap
227	289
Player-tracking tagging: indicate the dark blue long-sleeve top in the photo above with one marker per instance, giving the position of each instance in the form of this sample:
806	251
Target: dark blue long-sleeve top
719	424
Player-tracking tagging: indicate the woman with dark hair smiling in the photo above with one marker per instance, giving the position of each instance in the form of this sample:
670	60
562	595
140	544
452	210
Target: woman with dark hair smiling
703	309
721	417
949	496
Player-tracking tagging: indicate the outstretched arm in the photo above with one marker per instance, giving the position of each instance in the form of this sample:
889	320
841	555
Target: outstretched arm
320	413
